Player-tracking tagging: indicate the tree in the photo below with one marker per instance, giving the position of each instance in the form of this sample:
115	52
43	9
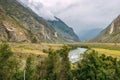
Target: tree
7	63
97	67
56	66
30	69
5	52
65	64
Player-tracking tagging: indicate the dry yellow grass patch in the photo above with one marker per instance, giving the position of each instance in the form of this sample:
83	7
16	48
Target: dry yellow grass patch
20	50
115	53
30	48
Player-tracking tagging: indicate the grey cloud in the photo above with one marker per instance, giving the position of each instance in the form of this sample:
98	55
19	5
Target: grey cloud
39	9
91	14
66	8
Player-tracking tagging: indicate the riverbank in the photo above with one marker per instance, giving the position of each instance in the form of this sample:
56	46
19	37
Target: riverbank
76	54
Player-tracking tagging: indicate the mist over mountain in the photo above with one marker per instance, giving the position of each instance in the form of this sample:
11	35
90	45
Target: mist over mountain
38	8
89	34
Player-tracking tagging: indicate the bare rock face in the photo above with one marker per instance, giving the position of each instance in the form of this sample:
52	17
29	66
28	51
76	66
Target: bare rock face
12	34
110	34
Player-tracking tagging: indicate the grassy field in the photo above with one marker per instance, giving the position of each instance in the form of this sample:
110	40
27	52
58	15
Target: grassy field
30	48
112	46
110	49
114	53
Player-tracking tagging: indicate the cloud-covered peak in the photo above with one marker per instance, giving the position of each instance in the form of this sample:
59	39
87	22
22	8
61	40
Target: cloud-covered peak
38	8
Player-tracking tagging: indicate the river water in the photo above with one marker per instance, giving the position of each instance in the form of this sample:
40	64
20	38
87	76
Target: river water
74	55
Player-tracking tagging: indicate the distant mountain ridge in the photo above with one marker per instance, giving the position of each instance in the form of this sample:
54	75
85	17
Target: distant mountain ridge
21	24
64	32
110	34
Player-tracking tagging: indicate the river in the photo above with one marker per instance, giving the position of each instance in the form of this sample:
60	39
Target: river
74	55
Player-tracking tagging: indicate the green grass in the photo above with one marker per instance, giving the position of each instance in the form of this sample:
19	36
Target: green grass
111	46
114	53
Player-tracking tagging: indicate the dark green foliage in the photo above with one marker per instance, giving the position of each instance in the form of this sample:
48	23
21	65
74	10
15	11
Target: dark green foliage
18	75
45	69
75	46
56	66
5	52
7	63
29	69
97	67
84	47
34	40
65	64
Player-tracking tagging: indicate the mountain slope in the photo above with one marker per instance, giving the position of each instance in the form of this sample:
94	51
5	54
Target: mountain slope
64	32
21	24
111	33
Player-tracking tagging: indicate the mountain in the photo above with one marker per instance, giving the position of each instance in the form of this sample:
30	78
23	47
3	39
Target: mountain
20	24
110	34
89	34
64	32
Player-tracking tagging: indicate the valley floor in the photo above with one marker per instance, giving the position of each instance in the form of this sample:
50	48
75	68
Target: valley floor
111	49
114	53
30	48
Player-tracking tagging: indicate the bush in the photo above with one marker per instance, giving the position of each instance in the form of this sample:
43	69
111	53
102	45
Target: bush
97	67
6	63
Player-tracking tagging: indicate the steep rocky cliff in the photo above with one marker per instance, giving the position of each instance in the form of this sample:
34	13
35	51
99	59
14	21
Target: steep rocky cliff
110	34
21	24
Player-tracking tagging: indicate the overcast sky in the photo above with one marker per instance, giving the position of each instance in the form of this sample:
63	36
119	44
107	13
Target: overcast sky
81	15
